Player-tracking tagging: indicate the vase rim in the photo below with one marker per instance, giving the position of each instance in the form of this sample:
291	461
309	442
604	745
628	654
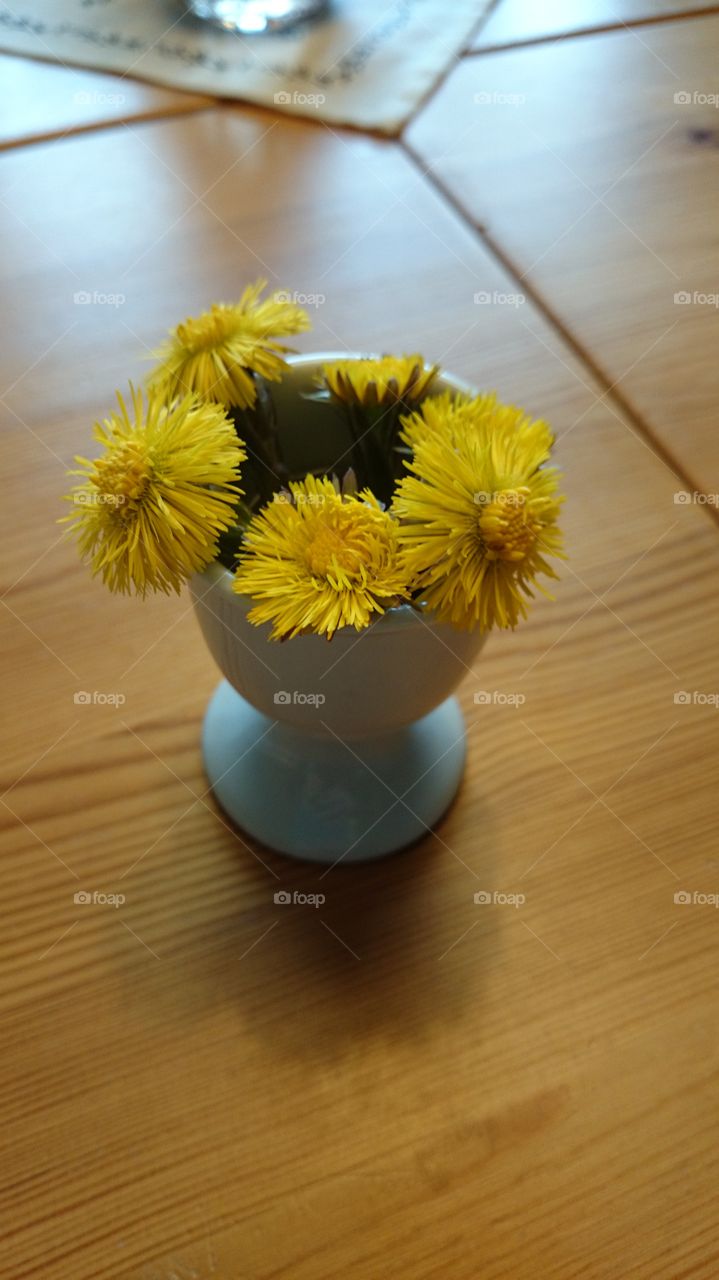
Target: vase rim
396	617
451	380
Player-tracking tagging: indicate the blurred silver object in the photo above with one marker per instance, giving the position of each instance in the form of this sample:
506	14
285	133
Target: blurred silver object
257	17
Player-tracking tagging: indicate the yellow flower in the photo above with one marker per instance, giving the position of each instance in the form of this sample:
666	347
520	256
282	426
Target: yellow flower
478	513
386	380
315	561
215	354
150	509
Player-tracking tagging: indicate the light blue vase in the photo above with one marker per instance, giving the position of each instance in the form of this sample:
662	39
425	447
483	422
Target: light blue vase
334	751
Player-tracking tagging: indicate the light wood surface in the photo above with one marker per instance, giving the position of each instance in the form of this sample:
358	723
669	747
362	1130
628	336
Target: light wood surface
599	188
516	21
203	1085
46	99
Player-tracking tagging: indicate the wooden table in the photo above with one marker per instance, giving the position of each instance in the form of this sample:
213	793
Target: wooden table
202	1085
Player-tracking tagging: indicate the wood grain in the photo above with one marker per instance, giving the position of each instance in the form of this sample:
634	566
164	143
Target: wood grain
598	187
201	1084
46	99
521	21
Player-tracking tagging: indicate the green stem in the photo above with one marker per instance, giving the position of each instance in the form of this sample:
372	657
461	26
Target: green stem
264	472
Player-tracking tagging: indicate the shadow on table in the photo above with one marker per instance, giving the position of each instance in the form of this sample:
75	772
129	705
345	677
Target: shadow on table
398	947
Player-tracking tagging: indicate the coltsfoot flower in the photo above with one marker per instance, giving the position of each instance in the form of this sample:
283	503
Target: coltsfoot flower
149	510
382	381
216	353
478	512
315	560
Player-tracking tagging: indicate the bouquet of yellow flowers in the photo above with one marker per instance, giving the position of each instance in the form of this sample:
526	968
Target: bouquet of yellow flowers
448	503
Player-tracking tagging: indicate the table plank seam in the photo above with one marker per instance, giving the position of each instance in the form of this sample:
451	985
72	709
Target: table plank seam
587	361
96	126
652	20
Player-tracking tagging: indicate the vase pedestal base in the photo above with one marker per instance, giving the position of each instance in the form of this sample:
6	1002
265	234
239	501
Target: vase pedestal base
319	798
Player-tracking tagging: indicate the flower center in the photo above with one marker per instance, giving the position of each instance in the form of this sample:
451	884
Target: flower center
328	548
507	526
204	332
123	475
